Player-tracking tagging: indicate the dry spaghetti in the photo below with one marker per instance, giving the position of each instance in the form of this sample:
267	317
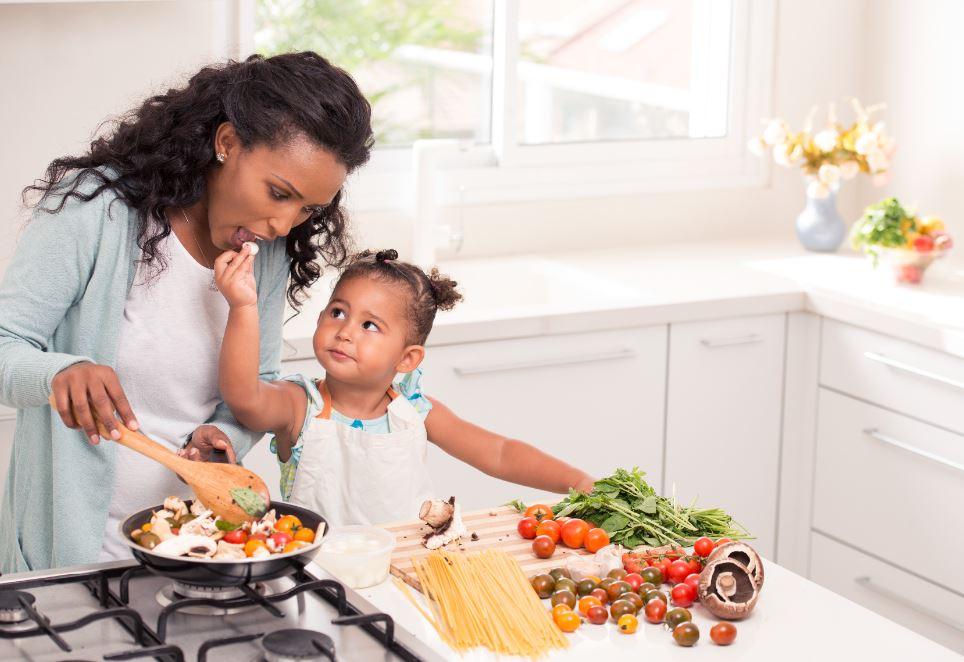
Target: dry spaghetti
484	599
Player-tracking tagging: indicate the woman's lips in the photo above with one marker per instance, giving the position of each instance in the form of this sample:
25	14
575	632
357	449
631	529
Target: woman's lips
242	235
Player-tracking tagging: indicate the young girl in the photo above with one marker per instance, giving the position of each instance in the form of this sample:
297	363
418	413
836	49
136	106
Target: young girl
353	446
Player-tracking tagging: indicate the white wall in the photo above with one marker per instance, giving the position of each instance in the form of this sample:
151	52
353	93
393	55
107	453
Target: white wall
915	62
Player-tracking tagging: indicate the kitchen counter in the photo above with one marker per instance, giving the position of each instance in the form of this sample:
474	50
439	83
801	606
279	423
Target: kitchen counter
794	620
533	295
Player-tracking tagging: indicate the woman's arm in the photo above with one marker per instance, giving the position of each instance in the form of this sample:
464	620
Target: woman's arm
278	407
508	459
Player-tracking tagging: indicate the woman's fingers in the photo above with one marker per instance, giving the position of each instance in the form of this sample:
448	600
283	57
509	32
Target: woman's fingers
121	404
82	414
104	408
62	398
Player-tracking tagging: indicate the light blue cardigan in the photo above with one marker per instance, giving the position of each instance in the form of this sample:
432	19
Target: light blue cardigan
61	301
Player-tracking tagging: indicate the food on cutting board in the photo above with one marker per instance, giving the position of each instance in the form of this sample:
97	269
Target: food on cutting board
483	599
180	530
445	518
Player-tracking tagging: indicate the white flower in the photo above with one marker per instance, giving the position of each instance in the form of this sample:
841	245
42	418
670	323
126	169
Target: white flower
757	147
826	140
877	161
818	190
796	153
880	179
828	174
780	155
866	143
849	169
776	132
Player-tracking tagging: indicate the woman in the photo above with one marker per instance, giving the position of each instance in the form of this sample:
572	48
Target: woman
109	302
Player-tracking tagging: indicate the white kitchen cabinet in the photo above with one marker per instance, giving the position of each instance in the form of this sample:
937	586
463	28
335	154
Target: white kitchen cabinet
723	424
595	400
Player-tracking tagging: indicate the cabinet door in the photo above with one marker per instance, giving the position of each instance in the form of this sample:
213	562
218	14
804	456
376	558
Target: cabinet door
594	400
723	419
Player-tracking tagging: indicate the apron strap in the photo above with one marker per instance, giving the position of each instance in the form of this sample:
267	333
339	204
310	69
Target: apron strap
326	398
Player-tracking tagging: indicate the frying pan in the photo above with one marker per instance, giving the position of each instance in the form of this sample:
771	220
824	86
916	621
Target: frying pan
226	572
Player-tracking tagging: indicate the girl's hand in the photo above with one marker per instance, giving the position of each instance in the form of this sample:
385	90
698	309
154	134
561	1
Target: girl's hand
85	389
206	439
234	277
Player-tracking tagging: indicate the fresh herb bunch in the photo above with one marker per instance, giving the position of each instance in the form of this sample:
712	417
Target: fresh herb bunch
885	223
631	512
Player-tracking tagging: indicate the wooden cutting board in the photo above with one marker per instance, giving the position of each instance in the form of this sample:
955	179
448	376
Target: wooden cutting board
495	529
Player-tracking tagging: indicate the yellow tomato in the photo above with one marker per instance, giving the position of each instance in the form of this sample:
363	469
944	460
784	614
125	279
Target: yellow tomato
305	534
568	621
253	545
627	623
294	544
560	608
288	524
931	224
146	527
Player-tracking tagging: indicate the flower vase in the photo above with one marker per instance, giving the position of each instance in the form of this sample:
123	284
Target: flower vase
820	226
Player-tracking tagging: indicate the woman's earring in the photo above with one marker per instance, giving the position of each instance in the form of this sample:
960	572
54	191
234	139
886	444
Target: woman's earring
220	157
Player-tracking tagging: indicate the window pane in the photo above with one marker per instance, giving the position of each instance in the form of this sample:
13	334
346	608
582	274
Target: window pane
617	70
425	65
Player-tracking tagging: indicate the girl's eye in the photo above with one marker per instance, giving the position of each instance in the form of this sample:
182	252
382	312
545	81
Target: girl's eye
278	195
372	327
338	313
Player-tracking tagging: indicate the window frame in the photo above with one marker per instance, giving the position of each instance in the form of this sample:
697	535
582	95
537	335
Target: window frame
506	171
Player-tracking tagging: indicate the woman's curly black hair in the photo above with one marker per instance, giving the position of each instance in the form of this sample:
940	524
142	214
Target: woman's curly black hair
162	150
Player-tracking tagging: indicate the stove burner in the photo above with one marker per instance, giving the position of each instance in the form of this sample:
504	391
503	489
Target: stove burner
179	591
11	611
293	644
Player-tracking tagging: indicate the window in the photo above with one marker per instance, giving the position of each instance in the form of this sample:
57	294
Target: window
544	97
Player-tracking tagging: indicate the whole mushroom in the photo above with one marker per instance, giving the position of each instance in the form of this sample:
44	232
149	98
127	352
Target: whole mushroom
727	589
742	554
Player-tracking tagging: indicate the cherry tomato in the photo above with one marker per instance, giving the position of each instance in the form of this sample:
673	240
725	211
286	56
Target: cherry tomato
539	511
294	544
683	595
678	615
567	584
694	565
600	594
653	575
568	621
617	588
574	533
627	623
674	554
564	597
305	534
543	546
287	524
236	537
562	520
280	539
585	587
560	609
617	573
258	536
663	565
722	541
586	602
597	615
543	585
527	527
655	611
548	528
595	540
703	546
693	580
634	598
621	607
723	634
654	595
677	571
686	634
253	545
634	579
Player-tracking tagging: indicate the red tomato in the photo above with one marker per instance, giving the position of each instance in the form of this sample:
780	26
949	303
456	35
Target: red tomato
663	565
678	570
236	537
923	243
722	541
693	580
543	546
723	634
601	594
683	595
703	546
258	536
597	615
694	564
674	554
596	539
562	520
634	579
548	528
281	539
527	527
655	611
651	562
539	511
574	533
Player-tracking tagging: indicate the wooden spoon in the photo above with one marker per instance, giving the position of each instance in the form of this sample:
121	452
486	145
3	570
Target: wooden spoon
212	482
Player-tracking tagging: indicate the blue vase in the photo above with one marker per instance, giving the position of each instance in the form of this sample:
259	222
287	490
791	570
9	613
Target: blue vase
819	225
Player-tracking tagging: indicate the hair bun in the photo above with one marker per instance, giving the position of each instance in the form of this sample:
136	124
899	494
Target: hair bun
386	255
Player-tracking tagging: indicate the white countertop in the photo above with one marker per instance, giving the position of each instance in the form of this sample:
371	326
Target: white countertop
794	620
531	295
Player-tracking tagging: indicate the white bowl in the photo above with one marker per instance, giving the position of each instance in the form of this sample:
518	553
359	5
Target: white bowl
357	555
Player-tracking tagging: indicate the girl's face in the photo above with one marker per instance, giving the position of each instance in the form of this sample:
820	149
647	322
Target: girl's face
362	334
263	192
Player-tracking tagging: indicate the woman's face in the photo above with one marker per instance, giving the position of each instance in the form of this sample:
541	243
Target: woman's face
263	192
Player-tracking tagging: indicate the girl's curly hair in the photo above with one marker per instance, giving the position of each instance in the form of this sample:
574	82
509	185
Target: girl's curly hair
430	292
162	150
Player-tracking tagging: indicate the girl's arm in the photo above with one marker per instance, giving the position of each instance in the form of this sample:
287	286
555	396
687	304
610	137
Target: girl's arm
277	407
508	459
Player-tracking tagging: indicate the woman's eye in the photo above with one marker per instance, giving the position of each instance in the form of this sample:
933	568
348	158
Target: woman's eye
370	326
338	313
278	195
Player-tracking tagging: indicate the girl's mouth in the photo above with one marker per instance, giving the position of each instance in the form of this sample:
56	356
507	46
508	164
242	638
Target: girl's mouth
240	236
339	356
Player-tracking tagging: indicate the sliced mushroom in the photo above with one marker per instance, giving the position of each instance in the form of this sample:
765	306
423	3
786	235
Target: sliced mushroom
743	554
193	546
436	512
727	589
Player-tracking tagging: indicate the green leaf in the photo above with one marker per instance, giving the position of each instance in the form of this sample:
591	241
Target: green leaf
648	506
226	526
614	523
518	505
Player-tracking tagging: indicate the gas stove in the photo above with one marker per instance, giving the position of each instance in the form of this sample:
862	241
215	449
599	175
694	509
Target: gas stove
121	611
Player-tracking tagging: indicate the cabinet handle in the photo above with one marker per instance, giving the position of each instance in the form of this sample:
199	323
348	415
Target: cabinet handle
613	355
874	433
873	587
920	372
726	342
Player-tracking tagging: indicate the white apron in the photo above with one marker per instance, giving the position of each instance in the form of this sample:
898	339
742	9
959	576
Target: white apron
355	477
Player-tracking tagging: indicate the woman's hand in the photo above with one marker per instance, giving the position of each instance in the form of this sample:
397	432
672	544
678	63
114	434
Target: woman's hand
234	276
84	389
204	440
